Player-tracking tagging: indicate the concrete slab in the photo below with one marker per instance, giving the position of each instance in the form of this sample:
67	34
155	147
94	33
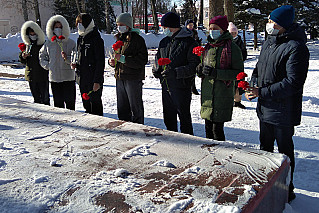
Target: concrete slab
62	160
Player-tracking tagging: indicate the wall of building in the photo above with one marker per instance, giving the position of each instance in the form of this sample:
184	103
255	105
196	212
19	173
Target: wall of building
11	15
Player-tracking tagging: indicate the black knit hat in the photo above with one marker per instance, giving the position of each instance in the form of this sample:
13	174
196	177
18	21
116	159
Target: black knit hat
170	19
86	19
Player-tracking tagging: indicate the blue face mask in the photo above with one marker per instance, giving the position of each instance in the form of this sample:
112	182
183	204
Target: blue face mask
214	34
167	32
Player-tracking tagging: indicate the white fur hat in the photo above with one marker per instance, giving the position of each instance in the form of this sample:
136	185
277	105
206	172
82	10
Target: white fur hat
36	28
65	26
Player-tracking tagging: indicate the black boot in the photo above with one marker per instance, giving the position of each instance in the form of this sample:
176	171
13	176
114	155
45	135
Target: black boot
239	104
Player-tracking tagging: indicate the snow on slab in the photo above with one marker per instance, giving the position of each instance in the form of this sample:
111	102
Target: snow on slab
67	161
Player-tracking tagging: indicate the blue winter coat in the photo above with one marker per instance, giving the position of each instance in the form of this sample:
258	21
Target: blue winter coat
281	71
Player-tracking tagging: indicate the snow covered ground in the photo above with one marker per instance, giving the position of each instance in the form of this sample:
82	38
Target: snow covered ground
243	129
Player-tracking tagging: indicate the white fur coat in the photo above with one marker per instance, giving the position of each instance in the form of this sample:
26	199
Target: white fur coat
36	28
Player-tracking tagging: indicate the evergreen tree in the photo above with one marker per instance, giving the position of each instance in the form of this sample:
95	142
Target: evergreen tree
96	8
110	18
67	9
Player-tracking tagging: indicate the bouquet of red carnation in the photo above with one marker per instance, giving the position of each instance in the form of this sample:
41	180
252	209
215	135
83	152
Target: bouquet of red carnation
86	96
199	51
164	62
241	76
22	47
117	45
244	85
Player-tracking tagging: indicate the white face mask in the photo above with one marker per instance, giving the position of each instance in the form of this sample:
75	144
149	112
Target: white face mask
81	28
167	32
57	31
33	37
271	30
214	34
122	29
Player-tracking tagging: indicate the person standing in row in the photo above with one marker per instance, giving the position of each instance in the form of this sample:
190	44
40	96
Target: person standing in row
129	63
176	77
221	64
237	39
281	72
55	56
189	23
90	63
33	36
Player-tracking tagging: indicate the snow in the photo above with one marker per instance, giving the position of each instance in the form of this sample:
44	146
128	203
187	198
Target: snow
242	130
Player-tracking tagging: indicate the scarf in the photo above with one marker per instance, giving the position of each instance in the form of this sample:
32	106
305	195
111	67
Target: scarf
225	58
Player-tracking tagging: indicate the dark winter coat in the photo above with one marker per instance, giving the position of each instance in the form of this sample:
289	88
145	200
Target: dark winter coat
281	71
179	49
91	58
33	70
242	46
136	57
217	96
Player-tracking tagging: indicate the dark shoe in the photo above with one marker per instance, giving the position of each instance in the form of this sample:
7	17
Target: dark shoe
238	104
291	196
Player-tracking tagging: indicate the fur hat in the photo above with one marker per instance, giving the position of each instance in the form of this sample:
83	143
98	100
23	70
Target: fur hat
284	16
36	28
65	26
171	19
221	21
125	18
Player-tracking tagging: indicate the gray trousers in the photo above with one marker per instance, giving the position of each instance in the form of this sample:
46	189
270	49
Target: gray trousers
129	100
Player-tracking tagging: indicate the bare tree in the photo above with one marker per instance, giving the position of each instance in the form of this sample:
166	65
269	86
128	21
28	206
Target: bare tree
37	12
145	17
122	5
201	13
83	6
78	6
154	14
229	9
25	10
216	8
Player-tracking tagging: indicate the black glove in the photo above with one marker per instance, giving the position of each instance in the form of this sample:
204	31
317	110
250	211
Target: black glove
199	71
156	74
210	71
165	73
179	72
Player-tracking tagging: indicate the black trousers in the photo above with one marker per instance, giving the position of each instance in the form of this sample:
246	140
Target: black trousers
177	101
129	100
64	94
40	92
283	136
214	130
94	104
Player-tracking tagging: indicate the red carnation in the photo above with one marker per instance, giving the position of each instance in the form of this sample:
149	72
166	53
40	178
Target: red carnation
22	47
61	37
243	84
53	38
85	96
198	50
241	76
164	61
117	45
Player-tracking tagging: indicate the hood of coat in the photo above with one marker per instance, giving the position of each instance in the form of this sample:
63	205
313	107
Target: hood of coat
184	32
65	26
36	28
294	32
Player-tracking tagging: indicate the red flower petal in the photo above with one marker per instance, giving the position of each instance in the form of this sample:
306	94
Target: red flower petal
61	37
85	96
241	75
53	38
243	84
22	47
